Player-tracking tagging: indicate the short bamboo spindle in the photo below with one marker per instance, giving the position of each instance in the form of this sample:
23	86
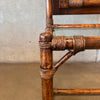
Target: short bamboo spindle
77	91
58	26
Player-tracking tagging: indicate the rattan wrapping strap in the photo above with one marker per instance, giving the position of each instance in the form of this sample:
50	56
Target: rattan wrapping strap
76	3
45	45
78	44
47	74
59	43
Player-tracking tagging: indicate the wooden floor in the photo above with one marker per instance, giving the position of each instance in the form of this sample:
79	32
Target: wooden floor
22	81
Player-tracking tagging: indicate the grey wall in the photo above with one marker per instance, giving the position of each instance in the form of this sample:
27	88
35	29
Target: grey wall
21	22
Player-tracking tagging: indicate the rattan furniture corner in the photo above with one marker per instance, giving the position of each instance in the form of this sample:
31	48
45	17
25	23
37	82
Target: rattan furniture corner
74	44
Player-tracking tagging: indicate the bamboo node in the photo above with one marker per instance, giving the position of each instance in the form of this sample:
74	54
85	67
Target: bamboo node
45	45
47	73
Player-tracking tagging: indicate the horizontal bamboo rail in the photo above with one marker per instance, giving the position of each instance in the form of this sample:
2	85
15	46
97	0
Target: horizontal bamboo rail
79	3
67	43
77	91
92	42
58	26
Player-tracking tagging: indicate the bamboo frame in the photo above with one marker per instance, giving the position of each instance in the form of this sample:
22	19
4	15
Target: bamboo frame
78	3
77	91
91	42
74	44
63	59
46	62
65	26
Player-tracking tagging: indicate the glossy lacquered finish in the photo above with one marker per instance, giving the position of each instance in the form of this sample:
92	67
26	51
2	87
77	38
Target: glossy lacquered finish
74	44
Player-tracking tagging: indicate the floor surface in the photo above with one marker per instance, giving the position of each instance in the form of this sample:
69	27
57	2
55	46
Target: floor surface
22	81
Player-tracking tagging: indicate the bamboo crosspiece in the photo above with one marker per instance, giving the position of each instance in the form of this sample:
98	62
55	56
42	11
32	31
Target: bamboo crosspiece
74	44
78	3
77	91
66	26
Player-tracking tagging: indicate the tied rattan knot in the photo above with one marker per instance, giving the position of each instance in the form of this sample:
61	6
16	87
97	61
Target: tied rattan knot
78	44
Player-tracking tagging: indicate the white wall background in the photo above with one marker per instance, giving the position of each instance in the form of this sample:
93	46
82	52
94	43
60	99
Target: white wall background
21	22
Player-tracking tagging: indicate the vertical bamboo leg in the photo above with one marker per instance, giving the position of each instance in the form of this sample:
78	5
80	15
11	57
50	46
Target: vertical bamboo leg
47	89
47	84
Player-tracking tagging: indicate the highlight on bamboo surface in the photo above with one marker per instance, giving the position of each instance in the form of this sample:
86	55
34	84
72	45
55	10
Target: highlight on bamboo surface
57	26
77	91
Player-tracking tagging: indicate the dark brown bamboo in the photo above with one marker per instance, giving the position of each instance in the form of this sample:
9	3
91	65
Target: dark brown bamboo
47	85
58	26
47	89
49	19
77	91
90	43
46	54
46	39
79	3
63	59
76	10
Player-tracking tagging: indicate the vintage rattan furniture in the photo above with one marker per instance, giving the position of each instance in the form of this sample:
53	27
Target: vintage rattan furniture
74	44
